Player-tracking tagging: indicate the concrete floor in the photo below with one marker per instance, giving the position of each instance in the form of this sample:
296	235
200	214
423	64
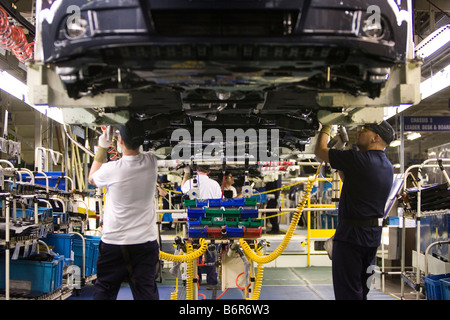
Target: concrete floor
311	283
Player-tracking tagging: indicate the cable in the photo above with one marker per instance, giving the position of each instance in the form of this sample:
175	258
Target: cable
189	275
174	295
297	214
186	257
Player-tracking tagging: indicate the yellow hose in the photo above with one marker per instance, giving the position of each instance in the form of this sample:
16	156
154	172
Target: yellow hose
258	281
174	295
189	257
186	257
282	246
189	274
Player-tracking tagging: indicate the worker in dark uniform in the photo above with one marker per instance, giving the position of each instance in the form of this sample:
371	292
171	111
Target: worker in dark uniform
273	203
367	176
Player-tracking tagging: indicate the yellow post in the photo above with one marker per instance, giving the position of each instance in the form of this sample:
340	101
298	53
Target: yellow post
308	239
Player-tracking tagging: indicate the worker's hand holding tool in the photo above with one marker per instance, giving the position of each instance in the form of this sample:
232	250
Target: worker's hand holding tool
104	142
340	139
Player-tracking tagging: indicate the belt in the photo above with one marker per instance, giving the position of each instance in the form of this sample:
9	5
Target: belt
369	222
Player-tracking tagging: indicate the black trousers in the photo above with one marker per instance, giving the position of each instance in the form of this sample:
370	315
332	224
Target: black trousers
135	263
351	268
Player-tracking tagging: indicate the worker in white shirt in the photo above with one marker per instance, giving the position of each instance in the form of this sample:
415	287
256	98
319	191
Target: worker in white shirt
208	188
228	181
129	248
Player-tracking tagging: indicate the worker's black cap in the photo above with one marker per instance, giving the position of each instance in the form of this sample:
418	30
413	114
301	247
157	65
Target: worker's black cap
384	130
203	167
132	133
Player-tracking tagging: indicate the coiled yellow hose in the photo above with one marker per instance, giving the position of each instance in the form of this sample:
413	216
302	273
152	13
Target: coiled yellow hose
258	281
189	257
282	246
186	257
189	274
174	295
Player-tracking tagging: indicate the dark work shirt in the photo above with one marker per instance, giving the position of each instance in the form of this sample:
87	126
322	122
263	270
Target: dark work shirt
368	180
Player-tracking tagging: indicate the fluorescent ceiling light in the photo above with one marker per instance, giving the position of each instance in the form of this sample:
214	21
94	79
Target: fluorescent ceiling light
433	42
13	86
440	80
395	143
18	89
413	135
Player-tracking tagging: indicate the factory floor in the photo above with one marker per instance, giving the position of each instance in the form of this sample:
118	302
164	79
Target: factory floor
279	283
309	283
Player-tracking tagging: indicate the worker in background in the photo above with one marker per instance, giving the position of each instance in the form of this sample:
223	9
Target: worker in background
208	188
228	185
128	247
367	176
162	196
272	203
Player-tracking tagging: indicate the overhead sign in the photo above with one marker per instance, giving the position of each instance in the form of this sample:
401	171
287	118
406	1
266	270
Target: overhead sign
427	123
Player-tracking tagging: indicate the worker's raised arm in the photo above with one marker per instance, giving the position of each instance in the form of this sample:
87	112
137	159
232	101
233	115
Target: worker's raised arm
321	149
100	156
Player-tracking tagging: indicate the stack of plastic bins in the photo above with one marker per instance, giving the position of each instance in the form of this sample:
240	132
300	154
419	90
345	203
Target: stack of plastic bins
433	286
216	218
249	218
232	227
195	215
61	243
252	227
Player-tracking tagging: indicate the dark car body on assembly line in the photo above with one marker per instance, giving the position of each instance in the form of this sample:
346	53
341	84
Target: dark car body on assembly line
230	63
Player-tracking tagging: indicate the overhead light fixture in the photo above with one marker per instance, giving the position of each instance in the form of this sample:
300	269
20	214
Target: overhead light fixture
435	41
395	143
440	80
413	135
18	89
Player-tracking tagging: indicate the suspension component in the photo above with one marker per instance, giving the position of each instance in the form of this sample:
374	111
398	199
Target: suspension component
13	38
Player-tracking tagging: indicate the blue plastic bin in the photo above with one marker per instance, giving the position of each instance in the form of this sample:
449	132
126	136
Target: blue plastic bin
60	243
433	286
238	202
193	222
36	277
60	217
22	214
45	213
249	213
445	288
234	232
226	203
77	245
201	203
39	178
196	212
197	232
95	242
214	202
58	271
